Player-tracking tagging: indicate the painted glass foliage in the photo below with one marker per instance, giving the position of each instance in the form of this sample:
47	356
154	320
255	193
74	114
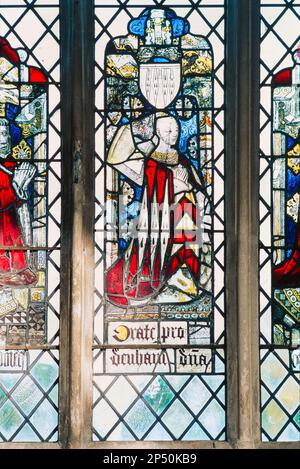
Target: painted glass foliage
279	221
29	219
159	227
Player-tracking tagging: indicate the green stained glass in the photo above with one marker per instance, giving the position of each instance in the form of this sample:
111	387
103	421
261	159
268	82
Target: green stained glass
158	395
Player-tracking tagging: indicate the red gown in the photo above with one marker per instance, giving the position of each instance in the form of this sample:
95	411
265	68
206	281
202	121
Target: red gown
287	274
125	280
13	266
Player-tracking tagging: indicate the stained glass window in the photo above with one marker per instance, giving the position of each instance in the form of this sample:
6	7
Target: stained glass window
159	349
279	221
29	219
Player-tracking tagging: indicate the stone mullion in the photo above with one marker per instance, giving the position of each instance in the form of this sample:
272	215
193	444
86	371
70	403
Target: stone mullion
82	260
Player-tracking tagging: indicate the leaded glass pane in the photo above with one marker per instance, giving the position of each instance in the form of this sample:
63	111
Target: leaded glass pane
279	221
159	358
30	206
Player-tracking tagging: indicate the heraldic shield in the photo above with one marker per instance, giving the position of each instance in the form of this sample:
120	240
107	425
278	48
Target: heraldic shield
160	83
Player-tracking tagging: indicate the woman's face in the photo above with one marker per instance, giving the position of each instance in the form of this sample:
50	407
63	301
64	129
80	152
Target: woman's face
167	130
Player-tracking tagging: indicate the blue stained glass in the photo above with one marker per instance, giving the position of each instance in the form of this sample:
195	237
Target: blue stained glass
160	60
138	26
293	182
179	26
188	129
16	134
291	232
12	112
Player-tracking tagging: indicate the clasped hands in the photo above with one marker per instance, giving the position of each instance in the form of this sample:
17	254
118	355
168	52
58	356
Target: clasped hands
23	175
